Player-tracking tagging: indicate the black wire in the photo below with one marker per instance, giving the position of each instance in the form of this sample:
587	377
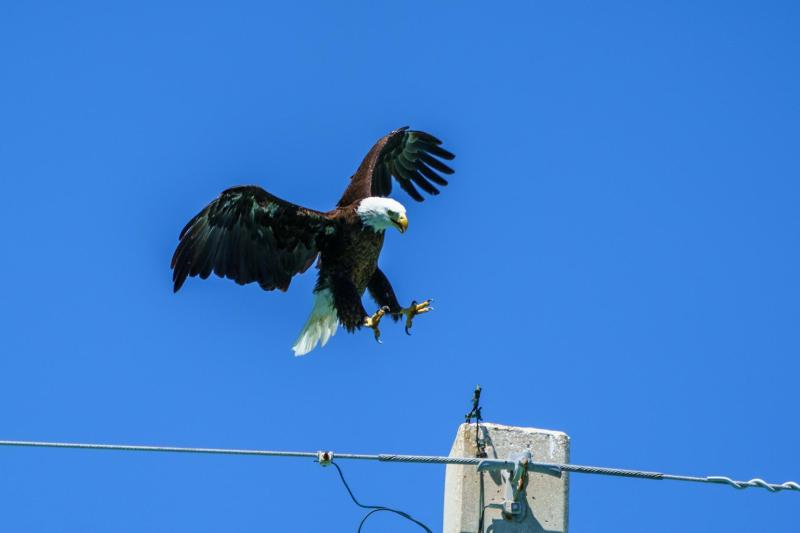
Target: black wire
480	451
375	508
482	507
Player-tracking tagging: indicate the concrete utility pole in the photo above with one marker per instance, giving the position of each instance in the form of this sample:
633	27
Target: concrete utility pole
511	504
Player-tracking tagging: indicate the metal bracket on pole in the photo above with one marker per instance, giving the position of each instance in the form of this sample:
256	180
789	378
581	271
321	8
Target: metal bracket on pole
514	472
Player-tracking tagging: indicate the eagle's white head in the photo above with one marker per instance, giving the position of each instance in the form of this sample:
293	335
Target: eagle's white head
382	213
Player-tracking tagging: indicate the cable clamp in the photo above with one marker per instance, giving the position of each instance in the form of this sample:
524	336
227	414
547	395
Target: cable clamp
324	458
514	473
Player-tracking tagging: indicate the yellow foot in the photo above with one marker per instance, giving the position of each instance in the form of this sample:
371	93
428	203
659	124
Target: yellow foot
374	320
415	309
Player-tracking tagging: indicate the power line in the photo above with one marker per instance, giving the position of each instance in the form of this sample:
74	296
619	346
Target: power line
551	468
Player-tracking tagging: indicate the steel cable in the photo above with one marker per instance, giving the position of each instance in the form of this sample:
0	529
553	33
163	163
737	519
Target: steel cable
423	459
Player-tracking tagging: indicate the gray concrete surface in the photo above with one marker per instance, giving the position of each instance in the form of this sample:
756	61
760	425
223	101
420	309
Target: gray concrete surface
545	498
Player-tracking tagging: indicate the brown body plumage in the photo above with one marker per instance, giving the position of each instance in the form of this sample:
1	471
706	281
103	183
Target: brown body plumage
347	263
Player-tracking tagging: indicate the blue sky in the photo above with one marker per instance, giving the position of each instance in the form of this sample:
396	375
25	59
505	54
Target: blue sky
616	256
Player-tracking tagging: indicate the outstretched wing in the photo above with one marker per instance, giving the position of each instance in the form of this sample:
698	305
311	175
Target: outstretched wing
249	235
412	157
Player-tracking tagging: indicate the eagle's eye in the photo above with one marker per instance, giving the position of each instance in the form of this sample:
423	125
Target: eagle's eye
392	214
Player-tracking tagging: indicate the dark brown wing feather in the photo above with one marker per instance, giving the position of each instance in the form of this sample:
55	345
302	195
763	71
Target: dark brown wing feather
413	158
248	235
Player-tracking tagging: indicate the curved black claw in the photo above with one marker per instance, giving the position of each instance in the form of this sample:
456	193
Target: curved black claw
416	309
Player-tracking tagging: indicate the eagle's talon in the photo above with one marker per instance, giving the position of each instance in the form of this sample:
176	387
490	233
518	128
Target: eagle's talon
374	321
415	309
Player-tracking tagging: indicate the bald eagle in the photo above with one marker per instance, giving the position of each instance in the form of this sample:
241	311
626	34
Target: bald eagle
249	235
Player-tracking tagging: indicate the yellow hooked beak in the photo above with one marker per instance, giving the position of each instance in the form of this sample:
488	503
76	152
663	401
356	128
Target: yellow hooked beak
402	223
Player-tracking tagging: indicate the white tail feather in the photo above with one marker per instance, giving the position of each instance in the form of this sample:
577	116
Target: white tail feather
320	326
